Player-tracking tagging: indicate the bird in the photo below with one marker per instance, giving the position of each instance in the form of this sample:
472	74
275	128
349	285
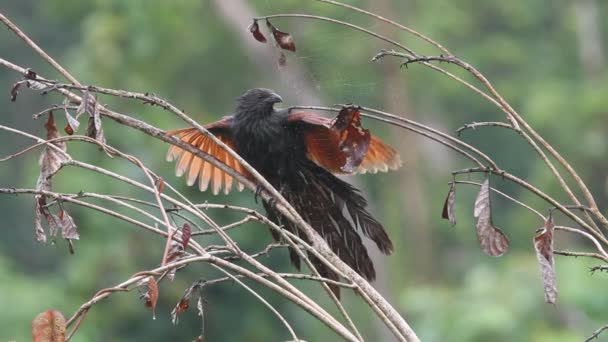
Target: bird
301	154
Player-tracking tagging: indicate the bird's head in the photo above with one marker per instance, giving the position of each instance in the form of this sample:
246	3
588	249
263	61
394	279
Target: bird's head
257	100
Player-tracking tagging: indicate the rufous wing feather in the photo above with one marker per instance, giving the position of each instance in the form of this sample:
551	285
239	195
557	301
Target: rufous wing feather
323	139
194	167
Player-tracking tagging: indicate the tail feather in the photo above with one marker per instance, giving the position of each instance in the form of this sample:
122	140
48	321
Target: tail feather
321	198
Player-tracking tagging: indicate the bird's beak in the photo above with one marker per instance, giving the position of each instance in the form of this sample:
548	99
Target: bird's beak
276	98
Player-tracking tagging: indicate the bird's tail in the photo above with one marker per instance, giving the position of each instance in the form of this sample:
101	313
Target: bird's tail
336	210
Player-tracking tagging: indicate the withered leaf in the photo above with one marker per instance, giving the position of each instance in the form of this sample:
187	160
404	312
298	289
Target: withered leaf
151	296
176	250
68	129
354	139
543	245
184	303
53	222
73	123
492	240
160	184
68	227
186	235
38	229
15	90
51	160
49	326
254	28
448	206
284	40
89	105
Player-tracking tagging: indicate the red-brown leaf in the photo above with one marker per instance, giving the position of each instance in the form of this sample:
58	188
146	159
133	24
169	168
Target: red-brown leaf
68	129
492	240
284	40
186	235
354	139
49	326
184	302
255	31
160	184
15	91
448	206
543	245
151	296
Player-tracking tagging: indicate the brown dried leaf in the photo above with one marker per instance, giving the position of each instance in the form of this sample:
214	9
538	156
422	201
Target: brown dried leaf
38	229
186	235
160	184
89	105
151	296
254	28
184	302
51	160
543	245
49	326
284	40
15	90
448	206
354	139
492	240
68	227
53	222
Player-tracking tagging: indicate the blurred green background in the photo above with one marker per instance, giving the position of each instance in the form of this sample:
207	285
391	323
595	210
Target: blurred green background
547	58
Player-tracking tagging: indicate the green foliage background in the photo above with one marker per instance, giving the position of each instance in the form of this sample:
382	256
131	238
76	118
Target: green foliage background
186	52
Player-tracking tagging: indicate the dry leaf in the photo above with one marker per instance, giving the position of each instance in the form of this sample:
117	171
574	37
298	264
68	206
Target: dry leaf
15	91
543	245
255	30
186	235
68	227
492	240
284	40
51	160
38	229
184	303
160	184
151	295
49	326
448	206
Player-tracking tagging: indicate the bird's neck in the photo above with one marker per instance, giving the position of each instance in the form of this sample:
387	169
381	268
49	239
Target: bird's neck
256	120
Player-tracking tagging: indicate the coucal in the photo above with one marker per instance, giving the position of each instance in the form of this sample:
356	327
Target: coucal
299	153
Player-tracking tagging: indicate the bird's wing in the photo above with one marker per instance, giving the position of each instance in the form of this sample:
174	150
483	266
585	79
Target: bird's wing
326	146
195	167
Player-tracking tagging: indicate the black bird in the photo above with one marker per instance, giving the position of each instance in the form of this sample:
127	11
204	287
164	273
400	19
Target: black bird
298	153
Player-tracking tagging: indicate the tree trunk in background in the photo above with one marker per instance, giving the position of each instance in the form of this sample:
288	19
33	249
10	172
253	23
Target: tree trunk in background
593	62
412	235
416	233
589	35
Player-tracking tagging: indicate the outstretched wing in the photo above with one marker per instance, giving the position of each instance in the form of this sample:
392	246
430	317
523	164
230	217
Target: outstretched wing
324	140
195	167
